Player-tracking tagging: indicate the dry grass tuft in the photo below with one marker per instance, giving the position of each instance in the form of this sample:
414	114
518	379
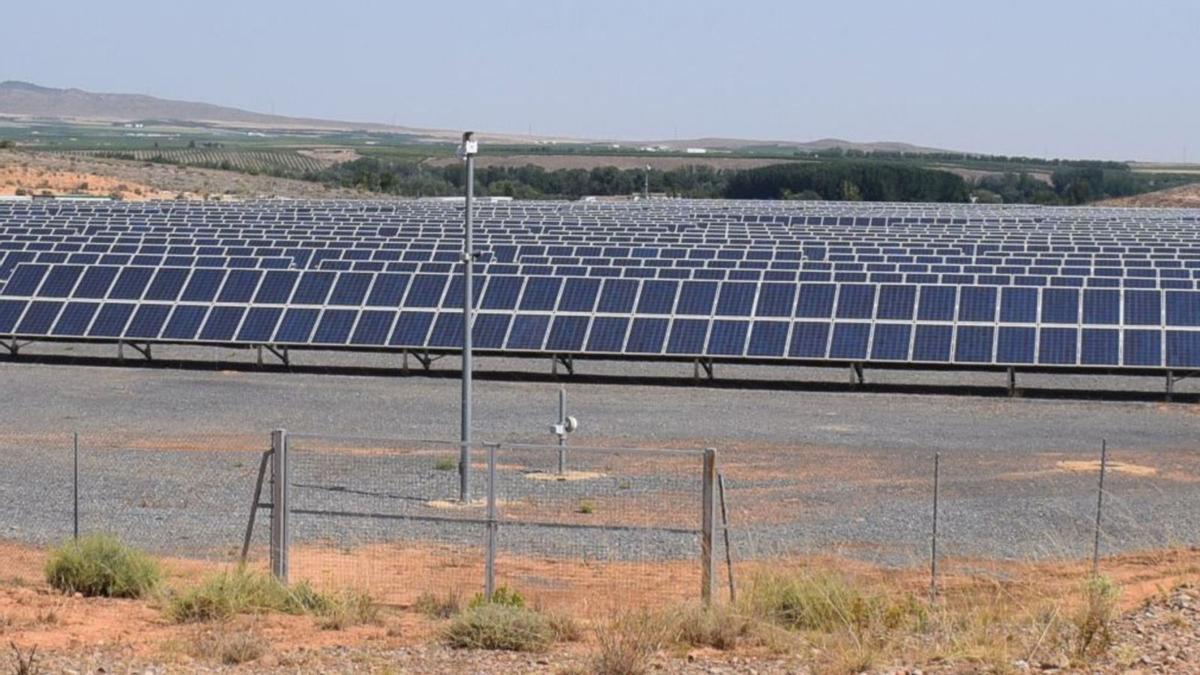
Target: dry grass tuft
500	627
231	646
627	645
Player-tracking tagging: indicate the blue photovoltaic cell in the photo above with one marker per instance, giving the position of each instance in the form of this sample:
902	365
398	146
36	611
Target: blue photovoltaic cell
489	330
646	336
815	301
936	303
1060	305
1015	344
148	321
696	298
776	300
736	299
167	284
768	338
39	317
891	340
10	312
855	301
657	297
60	281
75	318
111	319
850	341
259	324
1101	306
687	336
1183	309
203	285
335	326
453	298
95	283
1018	305
1100	347
973	344
276	288
896	302
25	280
567	333
608	334
810	340
425	290
239	286
977	303
932	343
728	338
1142	347
1056	346
411	329
502	292
541	294
617	296
297	325
1183	348
184	322
350	289
222	323
528	331
313	288
1142	308
388	290
372	328
447	330
579	295
131	283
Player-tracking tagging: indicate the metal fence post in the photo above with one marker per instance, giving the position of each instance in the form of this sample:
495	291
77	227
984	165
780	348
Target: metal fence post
708	494
75	488
489	573
280	534
933	553
1099	507
562	437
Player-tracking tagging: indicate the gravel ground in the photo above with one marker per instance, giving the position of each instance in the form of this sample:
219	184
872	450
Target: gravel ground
808	469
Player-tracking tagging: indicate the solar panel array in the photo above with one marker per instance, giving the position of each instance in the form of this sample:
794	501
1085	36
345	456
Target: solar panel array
761	281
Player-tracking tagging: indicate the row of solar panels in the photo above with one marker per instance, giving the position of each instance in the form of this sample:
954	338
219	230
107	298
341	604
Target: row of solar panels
989	304
567	334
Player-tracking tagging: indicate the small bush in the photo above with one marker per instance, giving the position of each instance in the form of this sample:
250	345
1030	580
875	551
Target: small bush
501	627
628	644
436	607
586	507
231	647
503	595
719	626
25	664
816	602
445	464
225	594
1094	618
101	566
345	609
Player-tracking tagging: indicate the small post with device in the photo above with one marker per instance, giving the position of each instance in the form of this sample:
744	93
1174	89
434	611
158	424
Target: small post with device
467	151
566	425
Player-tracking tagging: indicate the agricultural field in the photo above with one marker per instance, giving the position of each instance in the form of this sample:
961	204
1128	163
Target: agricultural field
246	161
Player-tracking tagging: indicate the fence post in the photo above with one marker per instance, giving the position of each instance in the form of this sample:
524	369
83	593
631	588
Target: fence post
933	553
489	567
280	534
1099	507
75	488
708	495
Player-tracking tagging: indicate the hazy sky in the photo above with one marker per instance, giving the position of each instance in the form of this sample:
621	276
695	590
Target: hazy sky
1070	78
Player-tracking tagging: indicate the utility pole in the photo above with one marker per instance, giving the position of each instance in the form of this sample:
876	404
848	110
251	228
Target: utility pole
467	151
646	189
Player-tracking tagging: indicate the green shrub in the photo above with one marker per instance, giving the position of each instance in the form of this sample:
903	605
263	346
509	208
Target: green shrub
347	608
628	644
436	607
240	591
502	627
503	595
445	464
99	565
816	602
1094	618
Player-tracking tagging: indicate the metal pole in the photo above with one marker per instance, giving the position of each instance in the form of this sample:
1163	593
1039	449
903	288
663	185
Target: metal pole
933	558
1099	507
280	534
646	193
468	150
706	525
75	484
489	579
562	437
728	548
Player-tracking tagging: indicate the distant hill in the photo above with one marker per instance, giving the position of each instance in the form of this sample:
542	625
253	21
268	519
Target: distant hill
25	100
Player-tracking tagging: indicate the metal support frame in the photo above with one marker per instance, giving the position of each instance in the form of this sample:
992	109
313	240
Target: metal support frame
1172	378
707	522
12	346
857	376
280	353
256	504
280	489
1012	382
562	427
702	364
144	351
725	530
567	361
